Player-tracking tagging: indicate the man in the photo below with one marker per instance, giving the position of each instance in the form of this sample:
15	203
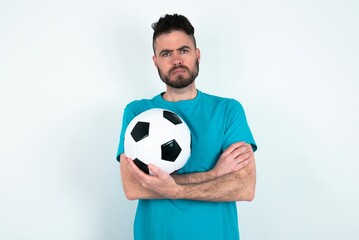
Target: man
199	201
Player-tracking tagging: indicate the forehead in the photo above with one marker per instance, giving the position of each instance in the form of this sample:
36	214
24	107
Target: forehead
173	40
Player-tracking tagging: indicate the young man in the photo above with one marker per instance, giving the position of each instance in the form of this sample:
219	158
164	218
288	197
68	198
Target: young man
199	201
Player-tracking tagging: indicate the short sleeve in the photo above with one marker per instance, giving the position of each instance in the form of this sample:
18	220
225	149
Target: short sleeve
237	128
128	115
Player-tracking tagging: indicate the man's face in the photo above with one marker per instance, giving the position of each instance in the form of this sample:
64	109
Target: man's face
176	59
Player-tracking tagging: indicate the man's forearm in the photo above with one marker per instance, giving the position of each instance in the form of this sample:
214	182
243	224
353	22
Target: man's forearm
133	189
235	186
233	159
190	178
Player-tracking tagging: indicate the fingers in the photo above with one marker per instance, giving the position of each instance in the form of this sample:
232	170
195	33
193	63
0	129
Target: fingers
232	148
139	174
241	149
242	156
133	169
243	164
156	171
144	179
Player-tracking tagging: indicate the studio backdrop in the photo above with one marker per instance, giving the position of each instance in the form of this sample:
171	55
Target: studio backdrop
68	69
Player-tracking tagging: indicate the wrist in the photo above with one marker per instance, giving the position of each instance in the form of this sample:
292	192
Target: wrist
179	194
213	173
180	179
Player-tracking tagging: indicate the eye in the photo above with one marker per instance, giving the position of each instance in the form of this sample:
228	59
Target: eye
165	54
183	51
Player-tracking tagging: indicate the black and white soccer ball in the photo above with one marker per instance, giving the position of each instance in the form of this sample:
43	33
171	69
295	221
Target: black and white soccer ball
160	137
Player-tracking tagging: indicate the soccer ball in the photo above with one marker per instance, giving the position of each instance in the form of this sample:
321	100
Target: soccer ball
160	137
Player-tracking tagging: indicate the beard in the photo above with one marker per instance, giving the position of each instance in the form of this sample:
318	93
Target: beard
180	81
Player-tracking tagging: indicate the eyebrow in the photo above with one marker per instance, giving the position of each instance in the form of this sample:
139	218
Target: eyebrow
178	49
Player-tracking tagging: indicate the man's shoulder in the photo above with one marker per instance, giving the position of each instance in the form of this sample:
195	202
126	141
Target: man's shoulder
215	99
142	103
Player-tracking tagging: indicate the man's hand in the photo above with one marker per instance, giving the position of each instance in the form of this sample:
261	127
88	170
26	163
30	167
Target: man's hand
160	182
234	158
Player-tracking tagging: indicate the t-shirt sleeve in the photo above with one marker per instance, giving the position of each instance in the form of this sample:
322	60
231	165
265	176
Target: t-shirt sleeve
237	129
128	115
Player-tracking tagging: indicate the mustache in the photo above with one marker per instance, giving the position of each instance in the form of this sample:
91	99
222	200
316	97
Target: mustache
178	67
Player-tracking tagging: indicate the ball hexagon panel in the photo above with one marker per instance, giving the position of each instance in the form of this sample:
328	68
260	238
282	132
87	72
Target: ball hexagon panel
182	134
148	150
131	147
161	131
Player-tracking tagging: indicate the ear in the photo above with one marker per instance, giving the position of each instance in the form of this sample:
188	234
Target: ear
198	54
154	59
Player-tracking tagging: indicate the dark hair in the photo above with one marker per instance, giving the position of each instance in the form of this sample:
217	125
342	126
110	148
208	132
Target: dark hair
169	23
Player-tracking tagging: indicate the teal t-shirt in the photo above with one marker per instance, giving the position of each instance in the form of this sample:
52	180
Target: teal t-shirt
215	123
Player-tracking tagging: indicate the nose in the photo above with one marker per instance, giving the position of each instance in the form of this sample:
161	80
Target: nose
177	60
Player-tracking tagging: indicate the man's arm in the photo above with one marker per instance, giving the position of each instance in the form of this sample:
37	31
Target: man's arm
232	179
132	187
234	158
235	186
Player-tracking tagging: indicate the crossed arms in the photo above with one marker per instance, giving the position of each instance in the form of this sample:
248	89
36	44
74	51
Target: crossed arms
233	178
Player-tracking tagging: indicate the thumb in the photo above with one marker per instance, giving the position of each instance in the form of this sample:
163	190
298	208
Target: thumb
155	171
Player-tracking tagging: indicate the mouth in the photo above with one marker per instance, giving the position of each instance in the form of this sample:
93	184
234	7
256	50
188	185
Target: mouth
178	70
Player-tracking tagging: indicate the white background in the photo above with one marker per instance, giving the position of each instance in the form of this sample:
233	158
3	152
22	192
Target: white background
67	69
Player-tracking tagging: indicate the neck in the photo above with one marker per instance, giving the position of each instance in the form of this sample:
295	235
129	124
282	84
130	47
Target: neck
175	95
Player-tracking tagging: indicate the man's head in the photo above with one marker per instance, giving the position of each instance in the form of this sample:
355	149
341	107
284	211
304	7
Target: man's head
170	23
175	53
